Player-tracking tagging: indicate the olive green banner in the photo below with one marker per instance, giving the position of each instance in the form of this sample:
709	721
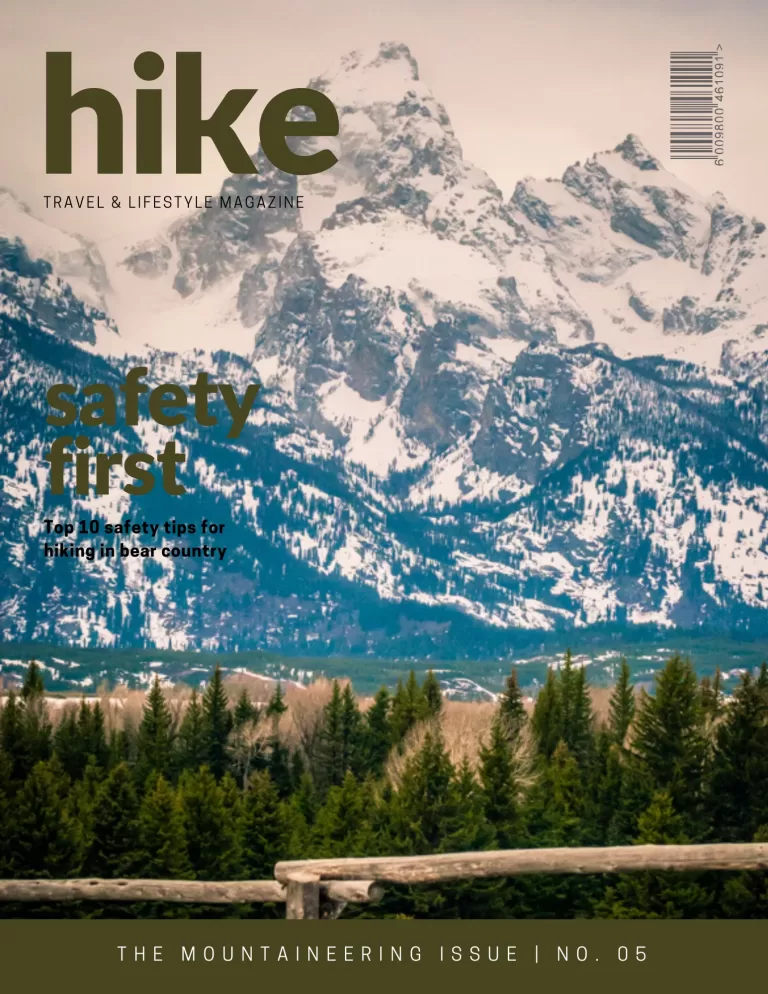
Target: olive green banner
369	956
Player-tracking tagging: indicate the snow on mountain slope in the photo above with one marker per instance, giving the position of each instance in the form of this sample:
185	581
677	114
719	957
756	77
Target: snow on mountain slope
658	270
73	259
30	291
53	279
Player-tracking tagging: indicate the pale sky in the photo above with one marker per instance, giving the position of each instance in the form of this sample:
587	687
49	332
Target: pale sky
530	87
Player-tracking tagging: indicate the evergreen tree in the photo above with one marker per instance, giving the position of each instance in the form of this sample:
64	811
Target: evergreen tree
657	895
621	709
45	839
558	814
244	712
711	696
13	741
33	685
305	799
604	778
499	783
6	814
426	800
352	735
118	747
330	756
343	825
512	713
94	732
397	710
80	736
557	806
209	828
408	707
35	718
547	720
263	828
67	744
628	790
276	708
377	733
745	895
660	824
217	724
341	738
115	827
279	767
155	737
230	796
739	779
433	696
192	742
25	728
575	709
469	828
82	800
669	737
298	768
163	841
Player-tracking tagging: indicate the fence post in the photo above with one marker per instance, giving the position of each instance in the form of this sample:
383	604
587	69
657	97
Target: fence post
302	899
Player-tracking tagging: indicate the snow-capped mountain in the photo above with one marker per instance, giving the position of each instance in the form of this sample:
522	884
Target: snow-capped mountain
481	414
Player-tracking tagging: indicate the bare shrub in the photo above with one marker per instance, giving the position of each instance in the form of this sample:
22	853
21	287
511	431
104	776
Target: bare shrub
465	728
400	756
246	743
258	688
601	699
305	711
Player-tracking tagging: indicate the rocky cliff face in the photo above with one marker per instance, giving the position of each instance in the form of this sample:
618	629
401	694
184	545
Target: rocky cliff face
481	417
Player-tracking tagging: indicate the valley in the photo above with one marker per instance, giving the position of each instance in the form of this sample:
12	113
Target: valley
78	671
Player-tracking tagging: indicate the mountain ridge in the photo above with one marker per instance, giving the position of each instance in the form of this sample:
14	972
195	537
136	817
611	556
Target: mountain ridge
481	415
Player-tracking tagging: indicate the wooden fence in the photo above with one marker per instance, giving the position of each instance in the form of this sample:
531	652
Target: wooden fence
321	888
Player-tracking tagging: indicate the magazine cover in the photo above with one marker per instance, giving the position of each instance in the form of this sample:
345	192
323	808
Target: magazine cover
383	488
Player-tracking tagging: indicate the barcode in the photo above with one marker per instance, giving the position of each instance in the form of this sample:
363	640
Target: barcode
692	111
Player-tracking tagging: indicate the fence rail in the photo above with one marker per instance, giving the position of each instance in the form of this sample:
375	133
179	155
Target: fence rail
315	888
516	862
332	892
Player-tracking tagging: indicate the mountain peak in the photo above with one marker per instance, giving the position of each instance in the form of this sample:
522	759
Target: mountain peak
380	56
383	73
633	151
717	200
